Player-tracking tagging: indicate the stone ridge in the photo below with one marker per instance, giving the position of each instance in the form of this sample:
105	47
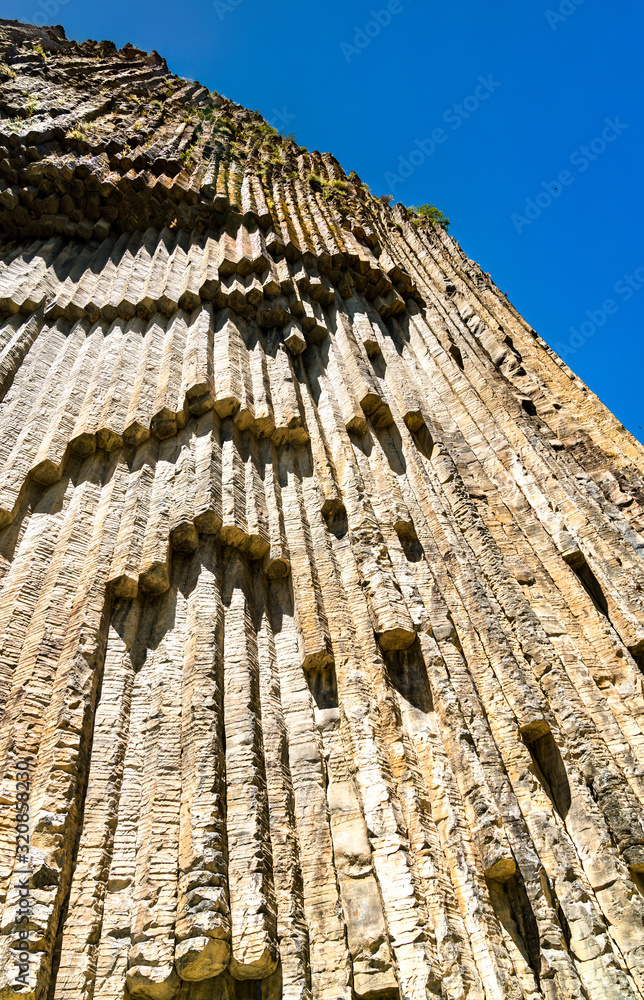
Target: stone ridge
321	579
102	142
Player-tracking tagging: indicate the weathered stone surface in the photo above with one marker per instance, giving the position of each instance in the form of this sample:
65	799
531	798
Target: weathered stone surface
321	578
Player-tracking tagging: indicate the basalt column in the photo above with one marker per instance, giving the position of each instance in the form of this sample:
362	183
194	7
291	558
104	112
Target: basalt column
321	580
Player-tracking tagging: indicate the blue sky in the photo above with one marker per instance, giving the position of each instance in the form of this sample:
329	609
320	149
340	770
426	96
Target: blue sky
482	109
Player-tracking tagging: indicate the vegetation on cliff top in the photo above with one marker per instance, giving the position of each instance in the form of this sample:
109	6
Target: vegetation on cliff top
429	213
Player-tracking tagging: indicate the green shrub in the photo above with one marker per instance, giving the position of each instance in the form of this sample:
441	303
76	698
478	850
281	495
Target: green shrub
186	156
267	130
431	214
330	188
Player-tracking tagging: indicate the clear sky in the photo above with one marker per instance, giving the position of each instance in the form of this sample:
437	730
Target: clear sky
520	119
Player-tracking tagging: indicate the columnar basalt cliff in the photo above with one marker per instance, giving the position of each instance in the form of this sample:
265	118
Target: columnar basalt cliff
322	591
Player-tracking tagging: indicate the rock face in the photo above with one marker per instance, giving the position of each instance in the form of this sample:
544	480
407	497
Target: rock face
322	591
